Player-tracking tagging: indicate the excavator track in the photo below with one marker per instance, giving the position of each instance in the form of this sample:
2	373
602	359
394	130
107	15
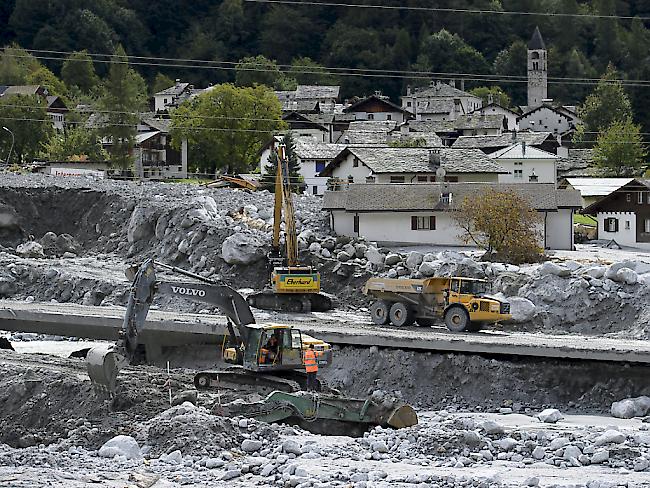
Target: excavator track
291	302
235	376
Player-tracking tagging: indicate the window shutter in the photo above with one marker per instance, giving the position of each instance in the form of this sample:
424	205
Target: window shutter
615	225
414	223
432	222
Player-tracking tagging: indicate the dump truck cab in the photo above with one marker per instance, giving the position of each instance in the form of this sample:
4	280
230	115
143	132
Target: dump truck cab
463	303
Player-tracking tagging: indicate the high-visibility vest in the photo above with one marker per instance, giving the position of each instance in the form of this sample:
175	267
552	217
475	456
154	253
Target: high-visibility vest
311	365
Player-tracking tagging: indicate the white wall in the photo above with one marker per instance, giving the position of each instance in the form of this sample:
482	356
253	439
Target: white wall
545	120
396	116
308	172
545	169
511	118
395	227
624	237
559	229
311	134
347	168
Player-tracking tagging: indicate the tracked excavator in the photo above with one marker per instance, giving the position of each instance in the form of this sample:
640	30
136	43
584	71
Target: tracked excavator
293	287
263	355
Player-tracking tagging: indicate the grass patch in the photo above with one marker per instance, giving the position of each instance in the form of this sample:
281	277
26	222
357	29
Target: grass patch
584	219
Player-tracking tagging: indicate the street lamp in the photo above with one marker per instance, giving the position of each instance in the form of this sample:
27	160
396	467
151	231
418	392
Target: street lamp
12	144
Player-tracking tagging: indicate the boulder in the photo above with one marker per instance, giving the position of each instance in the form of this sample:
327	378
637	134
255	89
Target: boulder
631	407
315	247
329	243
30	249
291	447
414	259
522	309
121	445
610	437
554	269
343	256
599	456
550	415
242	248
360	250
596	271
392	259
141	224
428	268
374	256
250	445
625	275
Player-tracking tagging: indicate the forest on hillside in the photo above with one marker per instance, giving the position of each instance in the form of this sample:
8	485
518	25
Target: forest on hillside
308	36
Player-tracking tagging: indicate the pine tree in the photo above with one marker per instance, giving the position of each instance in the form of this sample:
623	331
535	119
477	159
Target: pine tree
620	149
270	170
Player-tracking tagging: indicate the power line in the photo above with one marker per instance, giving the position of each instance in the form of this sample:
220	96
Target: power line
446	9
329	71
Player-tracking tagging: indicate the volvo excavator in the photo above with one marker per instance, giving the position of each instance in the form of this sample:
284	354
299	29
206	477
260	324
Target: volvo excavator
293	287
265	355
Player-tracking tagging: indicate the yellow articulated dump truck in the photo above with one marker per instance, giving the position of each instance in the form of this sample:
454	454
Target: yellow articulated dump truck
462	303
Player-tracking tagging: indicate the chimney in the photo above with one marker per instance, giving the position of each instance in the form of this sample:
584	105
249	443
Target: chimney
523	147
408	89
432	83
178	80
434	157
490	99
514	136
562	152
452	83
462	85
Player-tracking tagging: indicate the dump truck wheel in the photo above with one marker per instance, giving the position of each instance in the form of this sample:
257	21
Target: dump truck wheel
401	315
379	312
456	319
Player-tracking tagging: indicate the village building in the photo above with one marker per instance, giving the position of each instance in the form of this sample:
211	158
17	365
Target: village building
546	118
439	101
378	107
593	189
623	215
411	165
424	214
489	144
55	106
478	124
310	99
526	164
511	122
368	132
576	163
431	131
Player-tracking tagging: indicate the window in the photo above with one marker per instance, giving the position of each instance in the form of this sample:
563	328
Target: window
389	117
397	179
370	179
320	166
519	173
314	189
646	226
446	198
627	225
611	224
518	163
355	163
355	223
371	116
451	179
648	201
432	179
423	223
408	104
533	178
640	198
628	197
422	179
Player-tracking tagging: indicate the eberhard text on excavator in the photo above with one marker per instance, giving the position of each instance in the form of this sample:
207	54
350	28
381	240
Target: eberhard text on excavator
294	287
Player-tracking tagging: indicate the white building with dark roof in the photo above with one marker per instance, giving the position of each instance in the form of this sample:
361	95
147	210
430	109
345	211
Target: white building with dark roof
439	101
378	107
423	214
526	164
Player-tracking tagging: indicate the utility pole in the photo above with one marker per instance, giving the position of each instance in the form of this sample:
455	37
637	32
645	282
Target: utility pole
10	147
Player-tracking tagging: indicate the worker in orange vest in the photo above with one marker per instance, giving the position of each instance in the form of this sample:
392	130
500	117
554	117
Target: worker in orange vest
311	367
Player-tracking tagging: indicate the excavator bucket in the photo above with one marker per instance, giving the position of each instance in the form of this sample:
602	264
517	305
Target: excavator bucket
327	414
101	363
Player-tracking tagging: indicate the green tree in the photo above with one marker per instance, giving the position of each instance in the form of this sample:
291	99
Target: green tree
503	224
620	149
125	95
609	46
495	93
262	71
308	72
290	155
78	70
230	124
513	62
75	143
26	117
161	82
608	103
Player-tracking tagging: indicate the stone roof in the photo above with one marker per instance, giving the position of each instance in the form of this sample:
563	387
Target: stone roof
175	90
293	105
317	92
373	125
430	125
442	90
418	160
390	106
577	160
317	150
3	88
159	124
431	138
536	42
376	197
479	121
364	137
520	150
435	106
502	140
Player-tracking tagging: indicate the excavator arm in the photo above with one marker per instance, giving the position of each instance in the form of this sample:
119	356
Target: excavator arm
104	363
